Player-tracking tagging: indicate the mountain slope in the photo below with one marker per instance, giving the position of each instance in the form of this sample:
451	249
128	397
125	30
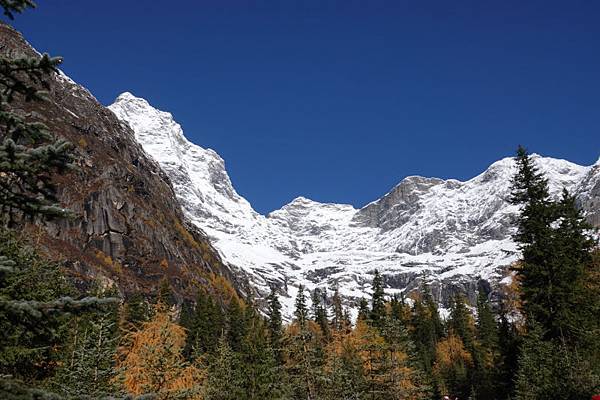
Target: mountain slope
128	228
455	235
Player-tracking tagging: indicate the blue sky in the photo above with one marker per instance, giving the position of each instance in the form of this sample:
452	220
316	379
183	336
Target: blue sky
339	100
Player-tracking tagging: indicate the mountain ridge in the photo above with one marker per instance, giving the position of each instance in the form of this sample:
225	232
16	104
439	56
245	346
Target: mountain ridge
455	235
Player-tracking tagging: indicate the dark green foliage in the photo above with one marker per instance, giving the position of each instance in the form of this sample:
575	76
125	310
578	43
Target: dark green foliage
427	328
26	342
320	312
29	154
550	370
487	328
346	379
165	293
236	325
377	314
460	322
338	322
224	380
263	375
509	343
15	6
486	354
205	326
363	309
88	367
559	355
135	311
556	247
275	325
301	312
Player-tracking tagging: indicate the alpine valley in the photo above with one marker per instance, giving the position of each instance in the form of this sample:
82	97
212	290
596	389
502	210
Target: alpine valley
449	234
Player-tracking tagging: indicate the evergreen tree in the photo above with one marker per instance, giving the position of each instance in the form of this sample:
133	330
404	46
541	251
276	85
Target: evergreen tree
338	322
405	377
263	375
487	328
363	310
88	370
570	317
345	376
301	312
27	342
320	312
452	365
550	370
486	353
135	311
204	328
236	329
461	321
427	328
224	380
275	325
165	293
508	343
377	314
304	356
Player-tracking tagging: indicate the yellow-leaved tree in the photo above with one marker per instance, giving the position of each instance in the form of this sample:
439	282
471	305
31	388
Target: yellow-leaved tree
151	361
451	368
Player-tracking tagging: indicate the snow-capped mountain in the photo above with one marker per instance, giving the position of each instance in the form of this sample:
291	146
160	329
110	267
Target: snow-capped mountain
455	235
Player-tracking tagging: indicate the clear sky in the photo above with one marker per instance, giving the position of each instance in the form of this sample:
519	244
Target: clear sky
339	100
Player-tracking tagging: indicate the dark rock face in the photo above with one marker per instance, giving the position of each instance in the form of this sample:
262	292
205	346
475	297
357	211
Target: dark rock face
396	207
129	228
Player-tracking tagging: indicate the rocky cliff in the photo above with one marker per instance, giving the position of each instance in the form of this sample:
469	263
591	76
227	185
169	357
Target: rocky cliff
128	226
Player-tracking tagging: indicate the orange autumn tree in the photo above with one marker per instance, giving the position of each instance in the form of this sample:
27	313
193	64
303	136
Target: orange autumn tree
451	367
151	361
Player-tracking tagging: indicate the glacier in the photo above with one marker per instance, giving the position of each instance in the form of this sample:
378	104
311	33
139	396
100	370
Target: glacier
451	235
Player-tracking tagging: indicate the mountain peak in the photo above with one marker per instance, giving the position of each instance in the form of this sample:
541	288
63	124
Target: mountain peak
447	230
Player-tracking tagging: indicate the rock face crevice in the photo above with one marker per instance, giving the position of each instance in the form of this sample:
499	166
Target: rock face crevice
128	226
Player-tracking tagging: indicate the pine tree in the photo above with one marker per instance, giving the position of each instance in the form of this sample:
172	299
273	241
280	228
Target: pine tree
236	325
320	312
427	328
338	322
405	378
548	369
570	317
486	353
301	311
263	374
165	293
204	328
536	273
363	310
135	311
344	369
224	380
88	370
275	325
377	314
461	321
508	343
304	353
